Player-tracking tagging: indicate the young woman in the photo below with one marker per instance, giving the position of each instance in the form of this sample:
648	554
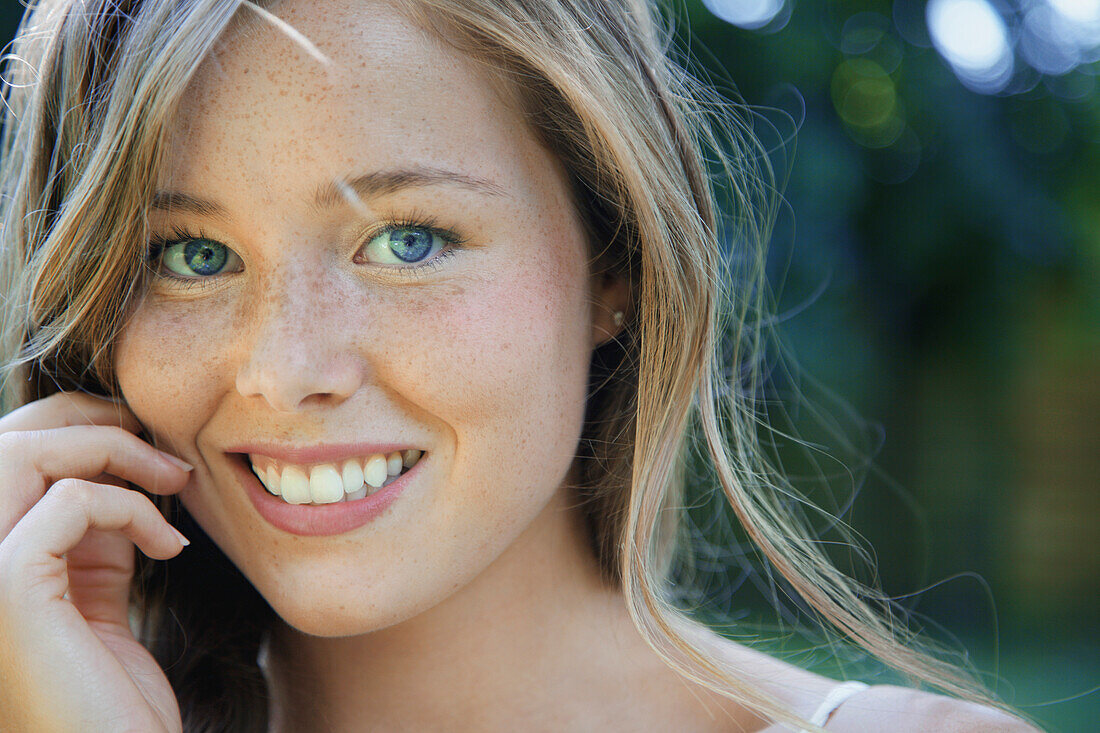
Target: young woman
405	313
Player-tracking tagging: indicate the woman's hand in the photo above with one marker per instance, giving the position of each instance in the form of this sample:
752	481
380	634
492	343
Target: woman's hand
68	526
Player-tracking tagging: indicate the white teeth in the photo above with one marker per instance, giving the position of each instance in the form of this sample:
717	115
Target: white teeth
325	485
295	485
273	482
352	476
374	471
328	483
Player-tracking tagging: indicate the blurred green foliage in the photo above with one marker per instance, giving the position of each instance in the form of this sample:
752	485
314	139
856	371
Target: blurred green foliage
943	280
937	270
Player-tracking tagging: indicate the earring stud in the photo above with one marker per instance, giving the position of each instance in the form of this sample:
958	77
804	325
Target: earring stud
618	317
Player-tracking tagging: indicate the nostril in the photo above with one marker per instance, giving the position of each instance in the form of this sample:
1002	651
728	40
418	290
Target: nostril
307	370
320	400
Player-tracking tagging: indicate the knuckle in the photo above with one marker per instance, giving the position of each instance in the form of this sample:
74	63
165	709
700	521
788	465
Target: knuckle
71	491
50	409
120	444
119	433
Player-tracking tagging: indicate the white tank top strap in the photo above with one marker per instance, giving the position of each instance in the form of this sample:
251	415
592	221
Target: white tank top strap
834	700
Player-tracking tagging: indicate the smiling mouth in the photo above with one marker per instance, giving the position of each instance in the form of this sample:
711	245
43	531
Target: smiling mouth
328	483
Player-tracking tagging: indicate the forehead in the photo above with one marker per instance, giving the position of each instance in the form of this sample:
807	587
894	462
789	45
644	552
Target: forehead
336	85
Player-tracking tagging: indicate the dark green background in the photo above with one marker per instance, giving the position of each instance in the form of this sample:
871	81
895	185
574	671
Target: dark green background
946	288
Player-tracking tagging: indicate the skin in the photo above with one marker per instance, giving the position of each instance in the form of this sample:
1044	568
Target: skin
474	597
480	361
478	574
67	534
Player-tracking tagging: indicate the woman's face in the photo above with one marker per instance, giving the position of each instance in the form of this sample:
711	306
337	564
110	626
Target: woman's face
451	311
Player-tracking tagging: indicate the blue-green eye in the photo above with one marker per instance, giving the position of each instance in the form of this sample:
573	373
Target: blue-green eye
199	257
404	245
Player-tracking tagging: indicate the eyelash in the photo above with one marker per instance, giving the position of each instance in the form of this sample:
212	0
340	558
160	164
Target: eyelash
416	220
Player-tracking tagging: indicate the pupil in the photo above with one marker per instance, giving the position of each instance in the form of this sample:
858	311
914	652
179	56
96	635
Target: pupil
203	257
410	245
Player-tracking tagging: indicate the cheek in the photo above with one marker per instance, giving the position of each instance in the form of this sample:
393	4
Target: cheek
507	364
171	369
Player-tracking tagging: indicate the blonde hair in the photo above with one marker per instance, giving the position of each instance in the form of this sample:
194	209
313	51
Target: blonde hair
90	91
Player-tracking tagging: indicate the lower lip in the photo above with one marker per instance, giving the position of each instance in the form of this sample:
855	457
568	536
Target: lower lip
319	519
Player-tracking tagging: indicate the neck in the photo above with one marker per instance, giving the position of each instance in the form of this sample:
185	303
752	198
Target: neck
535	634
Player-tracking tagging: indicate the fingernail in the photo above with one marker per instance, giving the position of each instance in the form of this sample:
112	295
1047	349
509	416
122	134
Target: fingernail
177	461
183	540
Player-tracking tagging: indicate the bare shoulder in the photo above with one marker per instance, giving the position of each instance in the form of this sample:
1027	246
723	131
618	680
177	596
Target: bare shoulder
876	709
902	710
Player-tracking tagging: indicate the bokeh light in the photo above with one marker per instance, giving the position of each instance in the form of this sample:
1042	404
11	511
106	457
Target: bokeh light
973	37
867	101
863	32
941	217
1003	47
1046	42
1079	11
869	35
1082	26
749	14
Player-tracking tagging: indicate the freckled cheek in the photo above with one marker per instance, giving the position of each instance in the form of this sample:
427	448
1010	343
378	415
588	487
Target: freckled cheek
172	369
508	357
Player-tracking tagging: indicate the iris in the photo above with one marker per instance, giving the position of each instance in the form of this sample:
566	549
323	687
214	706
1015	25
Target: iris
410	245
205	257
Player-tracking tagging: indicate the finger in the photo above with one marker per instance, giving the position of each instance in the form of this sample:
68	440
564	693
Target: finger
70	408
72	507
100	568
32	460
85	451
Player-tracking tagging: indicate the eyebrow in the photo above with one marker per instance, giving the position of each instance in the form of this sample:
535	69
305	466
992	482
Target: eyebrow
380	183
332	194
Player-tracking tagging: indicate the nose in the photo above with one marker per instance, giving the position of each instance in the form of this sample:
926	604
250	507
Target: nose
298	353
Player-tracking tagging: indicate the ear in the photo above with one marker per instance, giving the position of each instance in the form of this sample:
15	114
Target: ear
610	295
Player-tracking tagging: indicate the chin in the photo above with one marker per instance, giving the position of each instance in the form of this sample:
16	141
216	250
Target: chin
313	622
336	618
347	607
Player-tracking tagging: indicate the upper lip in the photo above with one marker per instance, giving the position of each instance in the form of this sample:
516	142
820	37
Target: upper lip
328	453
